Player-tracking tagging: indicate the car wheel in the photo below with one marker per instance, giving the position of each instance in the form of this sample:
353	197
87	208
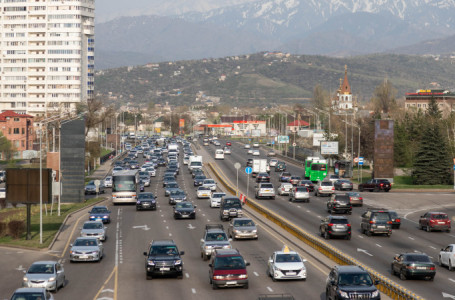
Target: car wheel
368	233
420	227
63	282
428	228
326	235
204	257
448	230
327	297
148	276
214	286
360	189
449	265
348	237
402	275
180	276
389	234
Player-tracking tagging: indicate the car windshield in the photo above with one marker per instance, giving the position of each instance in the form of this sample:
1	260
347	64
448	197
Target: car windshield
280	258
339	221
203	188
200	177
216	236
172	185
326	183
301	189
28	296
145	196
41	269
355	279
381	217
164	250
243	223
354	194
229	263
85	242
439	217
95	225
99	210
184	205
266	186
218	195
417	258
209	181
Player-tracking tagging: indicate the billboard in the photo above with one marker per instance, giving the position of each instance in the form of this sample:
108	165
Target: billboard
329	147
317	139
256	132
182	123
383	149
23	186
283	139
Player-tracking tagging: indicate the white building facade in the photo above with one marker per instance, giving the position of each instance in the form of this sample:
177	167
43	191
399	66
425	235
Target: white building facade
47	55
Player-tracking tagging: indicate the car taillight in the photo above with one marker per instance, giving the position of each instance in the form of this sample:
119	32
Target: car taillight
372	222
320	188
330	224
333	188
349	225
360	198
432	268
410	267
432	221
381	184
397	220
389	222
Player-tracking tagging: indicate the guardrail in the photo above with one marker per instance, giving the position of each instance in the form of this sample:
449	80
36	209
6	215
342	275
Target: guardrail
387	286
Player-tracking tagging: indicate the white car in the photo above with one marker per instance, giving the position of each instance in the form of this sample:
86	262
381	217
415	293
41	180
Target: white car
447	257
203	192
227	150
286	264
209	183
247	146
107	182
250	151
256	153
152	171
273	162
215	199
256	145
285	189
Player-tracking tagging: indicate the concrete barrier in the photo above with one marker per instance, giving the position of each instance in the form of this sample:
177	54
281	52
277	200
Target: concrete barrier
386	286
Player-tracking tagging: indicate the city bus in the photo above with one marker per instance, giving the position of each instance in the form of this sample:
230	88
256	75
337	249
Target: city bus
318	170
124	186
308	161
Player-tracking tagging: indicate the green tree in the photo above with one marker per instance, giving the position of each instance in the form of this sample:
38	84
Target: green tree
6	148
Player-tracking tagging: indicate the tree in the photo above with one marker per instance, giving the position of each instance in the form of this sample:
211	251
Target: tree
6	148
96	112
384	97
320	97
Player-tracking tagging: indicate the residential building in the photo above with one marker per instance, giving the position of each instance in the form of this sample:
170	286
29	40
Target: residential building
297	125
47	55
18	129
421	98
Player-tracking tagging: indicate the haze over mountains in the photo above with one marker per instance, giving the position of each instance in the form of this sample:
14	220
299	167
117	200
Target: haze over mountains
323	27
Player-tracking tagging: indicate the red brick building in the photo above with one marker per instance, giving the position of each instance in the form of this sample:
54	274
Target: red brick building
18	129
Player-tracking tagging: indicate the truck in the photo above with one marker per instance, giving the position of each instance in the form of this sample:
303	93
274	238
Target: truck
260	166
173	147
195	162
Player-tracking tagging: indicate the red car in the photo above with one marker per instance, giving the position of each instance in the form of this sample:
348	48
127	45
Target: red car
435	221
228	144
228	269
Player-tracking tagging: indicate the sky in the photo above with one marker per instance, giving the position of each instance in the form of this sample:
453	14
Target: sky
106	10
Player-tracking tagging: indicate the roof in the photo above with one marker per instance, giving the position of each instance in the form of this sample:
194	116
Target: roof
298	123
350	269
12	114
163	242
345	88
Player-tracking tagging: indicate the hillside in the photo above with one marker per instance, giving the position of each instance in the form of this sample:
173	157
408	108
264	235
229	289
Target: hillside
258	79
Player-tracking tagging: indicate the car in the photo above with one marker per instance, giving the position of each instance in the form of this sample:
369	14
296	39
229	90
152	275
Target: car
339	203
117	169
247	146
214	238
216	143
32	294
49	275
184	210
242	228
324	187
168	179
177	196
333	177
280	166
227	268
2	193
94	228
355	198
285	177
228	144
146	201
195	172
86	249
396	220
344	281
294	180
375	185
227	150
271	153
343	184
299	193
376	221
203	192
284	189
255	145
209	183
249	162
265	190
338	226
250	151
308	184
215	199
145	179
199	180
171	186
108	181
263	177
134	164
163	258
447	257
256	153
100	213
434	221
408	265
286	264
151	171
90	187
230	207
273	162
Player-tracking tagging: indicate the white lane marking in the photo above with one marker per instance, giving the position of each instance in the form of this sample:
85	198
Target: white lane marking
361	236
411	238
167	227
187	275
164	221
208	220
379	245
255	273
170	234
20	268
162	216
434	248
270	289
299	206
364	251
308	211
453	280
319	217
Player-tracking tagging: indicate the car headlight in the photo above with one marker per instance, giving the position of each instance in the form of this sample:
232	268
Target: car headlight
375	294
243	276
254	231
138	202
151	263
236	231
25	279
105	217
153	201
178	262
227	247
218	277
208	247
343	294
51	279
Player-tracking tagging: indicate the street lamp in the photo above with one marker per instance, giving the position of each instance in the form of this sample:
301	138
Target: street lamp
352	143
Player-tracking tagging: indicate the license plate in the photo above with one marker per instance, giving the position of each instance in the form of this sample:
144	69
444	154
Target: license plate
98	219
291	273
83	256
340	226
231	282
185	216
164	269
441	222
421	268
381	226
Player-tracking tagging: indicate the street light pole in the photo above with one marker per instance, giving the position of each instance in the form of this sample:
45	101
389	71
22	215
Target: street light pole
40	184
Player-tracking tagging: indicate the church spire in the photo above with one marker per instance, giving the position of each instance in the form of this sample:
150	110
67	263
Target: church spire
345	87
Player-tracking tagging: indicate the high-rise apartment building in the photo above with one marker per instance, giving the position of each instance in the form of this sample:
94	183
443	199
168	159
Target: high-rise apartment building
47	55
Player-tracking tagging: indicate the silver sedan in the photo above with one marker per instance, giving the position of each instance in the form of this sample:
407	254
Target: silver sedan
86	249
45	274
95	229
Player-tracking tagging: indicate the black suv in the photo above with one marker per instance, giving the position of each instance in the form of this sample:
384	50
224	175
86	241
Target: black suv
339	203
350	282
376	221
335	226
230	207
163	258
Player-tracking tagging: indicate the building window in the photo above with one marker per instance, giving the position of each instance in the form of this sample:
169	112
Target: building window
23	143
16	119
23	130
9	130
16	144
16	130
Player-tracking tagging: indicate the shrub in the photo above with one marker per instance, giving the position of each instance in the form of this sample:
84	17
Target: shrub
16	228
2	229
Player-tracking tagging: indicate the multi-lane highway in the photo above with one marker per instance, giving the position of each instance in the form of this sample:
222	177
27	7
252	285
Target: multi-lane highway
376	251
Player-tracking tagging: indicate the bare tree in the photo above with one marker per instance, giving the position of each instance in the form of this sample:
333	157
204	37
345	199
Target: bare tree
320	97
384	97
96	112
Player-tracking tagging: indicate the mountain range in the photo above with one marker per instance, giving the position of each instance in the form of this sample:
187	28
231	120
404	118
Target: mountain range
322	27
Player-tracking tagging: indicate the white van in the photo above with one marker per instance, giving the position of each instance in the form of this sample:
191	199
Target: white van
219	154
